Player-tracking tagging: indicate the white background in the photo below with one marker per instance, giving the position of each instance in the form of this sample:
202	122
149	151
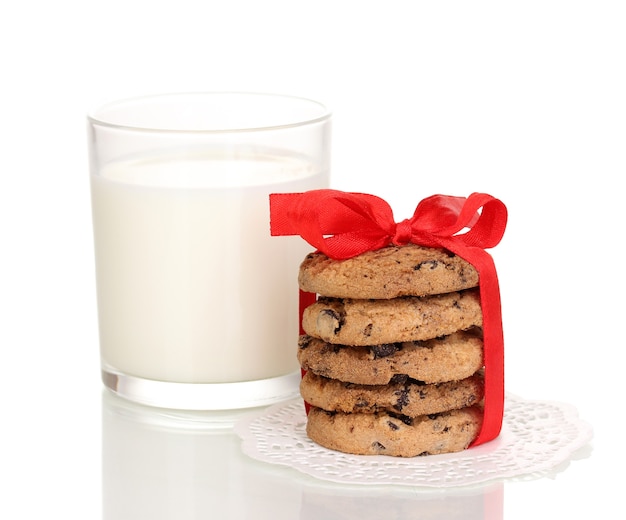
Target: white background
523	100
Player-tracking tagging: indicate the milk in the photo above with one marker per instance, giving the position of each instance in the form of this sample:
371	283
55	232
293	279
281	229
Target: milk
191	287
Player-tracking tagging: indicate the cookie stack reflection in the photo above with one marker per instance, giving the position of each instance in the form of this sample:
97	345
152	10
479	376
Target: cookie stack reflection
393	352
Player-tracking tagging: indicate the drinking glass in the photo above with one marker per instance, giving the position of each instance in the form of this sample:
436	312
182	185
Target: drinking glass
197	303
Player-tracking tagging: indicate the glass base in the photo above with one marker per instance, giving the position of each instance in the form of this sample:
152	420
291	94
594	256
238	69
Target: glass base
201	396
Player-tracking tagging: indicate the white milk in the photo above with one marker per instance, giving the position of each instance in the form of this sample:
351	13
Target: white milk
191	286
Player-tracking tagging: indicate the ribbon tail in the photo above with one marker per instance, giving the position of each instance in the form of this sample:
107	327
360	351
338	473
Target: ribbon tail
493	338
493	341
305	299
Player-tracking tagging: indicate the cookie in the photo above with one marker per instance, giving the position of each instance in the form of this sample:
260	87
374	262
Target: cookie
450	358
390	272
374	322
395	435
410	398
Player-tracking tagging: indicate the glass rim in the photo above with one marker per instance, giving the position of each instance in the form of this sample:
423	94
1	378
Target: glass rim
97	116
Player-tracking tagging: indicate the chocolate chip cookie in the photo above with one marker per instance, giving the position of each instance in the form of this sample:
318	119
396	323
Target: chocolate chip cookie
390	272
408	397
374	322
437	360
394	434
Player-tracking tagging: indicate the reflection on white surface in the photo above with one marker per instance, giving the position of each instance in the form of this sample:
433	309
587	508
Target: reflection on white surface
163	465
485	503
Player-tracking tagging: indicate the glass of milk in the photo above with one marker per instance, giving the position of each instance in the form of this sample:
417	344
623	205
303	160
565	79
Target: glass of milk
197	303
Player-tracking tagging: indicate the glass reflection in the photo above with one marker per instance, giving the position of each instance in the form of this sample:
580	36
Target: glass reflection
162	464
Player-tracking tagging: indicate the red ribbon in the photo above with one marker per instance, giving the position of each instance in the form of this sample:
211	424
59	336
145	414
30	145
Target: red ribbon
342	225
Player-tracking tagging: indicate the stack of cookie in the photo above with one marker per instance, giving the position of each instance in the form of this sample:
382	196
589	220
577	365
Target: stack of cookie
392	351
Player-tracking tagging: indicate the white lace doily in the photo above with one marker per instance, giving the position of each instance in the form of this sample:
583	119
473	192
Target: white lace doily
536	437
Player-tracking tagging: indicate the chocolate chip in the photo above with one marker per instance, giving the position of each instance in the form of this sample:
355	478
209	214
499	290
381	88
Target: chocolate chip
431	264
403	399
393	425
367	331
406	420
398	379
378	446
384	350
304	342
335	317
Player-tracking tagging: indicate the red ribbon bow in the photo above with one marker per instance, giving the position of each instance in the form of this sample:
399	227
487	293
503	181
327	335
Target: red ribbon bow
342	225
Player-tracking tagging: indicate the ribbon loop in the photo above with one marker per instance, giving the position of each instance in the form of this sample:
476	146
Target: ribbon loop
342	225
